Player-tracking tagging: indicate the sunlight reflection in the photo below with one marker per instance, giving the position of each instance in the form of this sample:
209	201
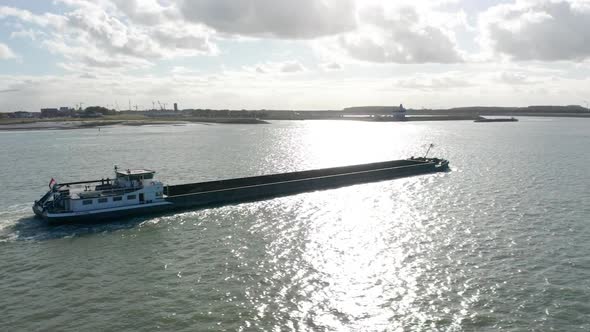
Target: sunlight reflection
355	268
360	258
332	143
356	255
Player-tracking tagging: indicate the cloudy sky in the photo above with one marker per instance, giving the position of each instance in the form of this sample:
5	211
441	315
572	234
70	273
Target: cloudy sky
285	54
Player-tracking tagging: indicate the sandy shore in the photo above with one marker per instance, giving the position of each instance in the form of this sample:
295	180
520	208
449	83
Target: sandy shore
64	125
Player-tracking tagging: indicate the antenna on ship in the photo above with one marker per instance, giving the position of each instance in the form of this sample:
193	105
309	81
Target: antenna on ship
429	148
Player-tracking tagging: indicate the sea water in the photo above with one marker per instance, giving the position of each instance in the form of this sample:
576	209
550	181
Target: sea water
500	242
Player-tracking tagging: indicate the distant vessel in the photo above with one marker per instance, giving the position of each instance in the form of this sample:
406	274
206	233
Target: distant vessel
511	119
136	192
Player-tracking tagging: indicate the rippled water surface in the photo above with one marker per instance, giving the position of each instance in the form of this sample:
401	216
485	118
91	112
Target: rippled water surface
501	242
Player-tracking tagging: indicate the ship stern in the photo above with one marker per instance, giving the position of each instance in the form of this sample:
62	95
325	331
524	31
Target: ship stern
38	210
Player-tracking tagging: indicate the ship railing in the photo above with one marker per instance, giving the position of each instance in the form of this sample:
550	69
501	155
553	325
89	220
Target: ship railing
112	192
59	185
44	198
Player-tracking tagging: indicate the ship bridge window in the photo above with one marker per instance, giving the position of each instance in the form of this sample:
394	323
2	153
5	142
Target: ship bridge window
141	177
117	198
103	200
87	202
131	197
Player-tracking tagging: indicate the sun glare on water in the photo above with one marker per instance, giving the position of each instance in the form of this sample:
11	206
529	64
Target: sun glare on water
354	258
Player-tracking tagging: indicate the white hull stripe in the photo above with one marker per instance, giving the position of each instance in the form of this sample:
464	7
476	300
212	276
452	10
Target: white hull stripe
91	212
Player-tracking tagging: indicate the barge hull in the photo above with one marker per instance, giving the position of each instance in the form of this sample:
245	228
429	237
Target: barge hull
107	215
235	191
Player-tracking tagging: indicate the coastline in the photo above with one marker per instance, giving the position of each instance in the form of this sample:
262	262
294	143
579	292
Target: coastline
70	124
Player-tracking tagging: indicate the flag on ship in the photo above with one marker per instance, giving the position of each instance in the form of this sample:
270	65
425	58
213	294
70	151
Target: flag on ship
52	183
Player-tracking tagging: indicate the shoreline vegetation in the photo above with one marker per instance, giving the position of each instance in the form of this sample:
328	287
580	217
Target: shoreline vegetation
207	116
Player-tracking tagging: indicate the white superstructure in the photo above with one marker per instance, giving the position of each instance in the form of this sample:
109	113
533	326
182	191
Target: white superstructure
130	189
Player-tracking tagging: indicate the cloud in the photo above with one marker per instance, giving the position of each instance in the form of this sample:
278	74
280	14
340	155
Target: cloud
303	19
514	78
546	30
88	76
26	16
26	33
431	82
8	90
148	12
285	67
130	34
99	35
6	52
398	35
331	66
115	36
292	67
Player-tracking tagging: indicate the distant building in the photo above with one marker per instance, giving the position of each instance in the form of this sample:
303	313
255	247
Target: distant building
55	112
49	112
400	114
175	107
21	115
67	111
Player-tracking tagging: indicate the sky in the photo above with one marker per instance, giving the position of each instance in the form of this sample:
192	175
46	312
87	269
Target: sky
285	54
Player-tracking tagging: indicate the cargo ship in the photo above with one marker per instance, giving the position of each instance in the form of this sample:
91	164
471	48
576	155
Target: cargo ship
136	192
488	120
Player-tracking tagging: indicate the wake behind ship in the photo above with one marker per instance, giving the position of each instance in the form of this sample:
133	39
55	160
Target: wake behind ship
136	192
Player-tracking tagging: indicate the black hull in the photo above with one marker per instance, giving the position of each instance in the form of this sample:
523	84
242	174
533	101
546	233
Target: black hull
234	191
107	216
496	120
269	186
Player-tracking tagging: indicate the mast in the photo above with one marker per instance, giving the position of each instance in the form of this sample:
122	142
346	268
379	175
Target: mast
429	148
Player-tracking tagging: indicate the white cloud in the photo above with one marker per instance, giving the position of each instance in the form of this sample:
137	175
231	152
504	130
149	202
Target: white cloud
514	78
27	33
98	35
292	67
276	68
26	16
399	33
303	19
331	66
135	34
149	12
434	83
6	52
546	30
